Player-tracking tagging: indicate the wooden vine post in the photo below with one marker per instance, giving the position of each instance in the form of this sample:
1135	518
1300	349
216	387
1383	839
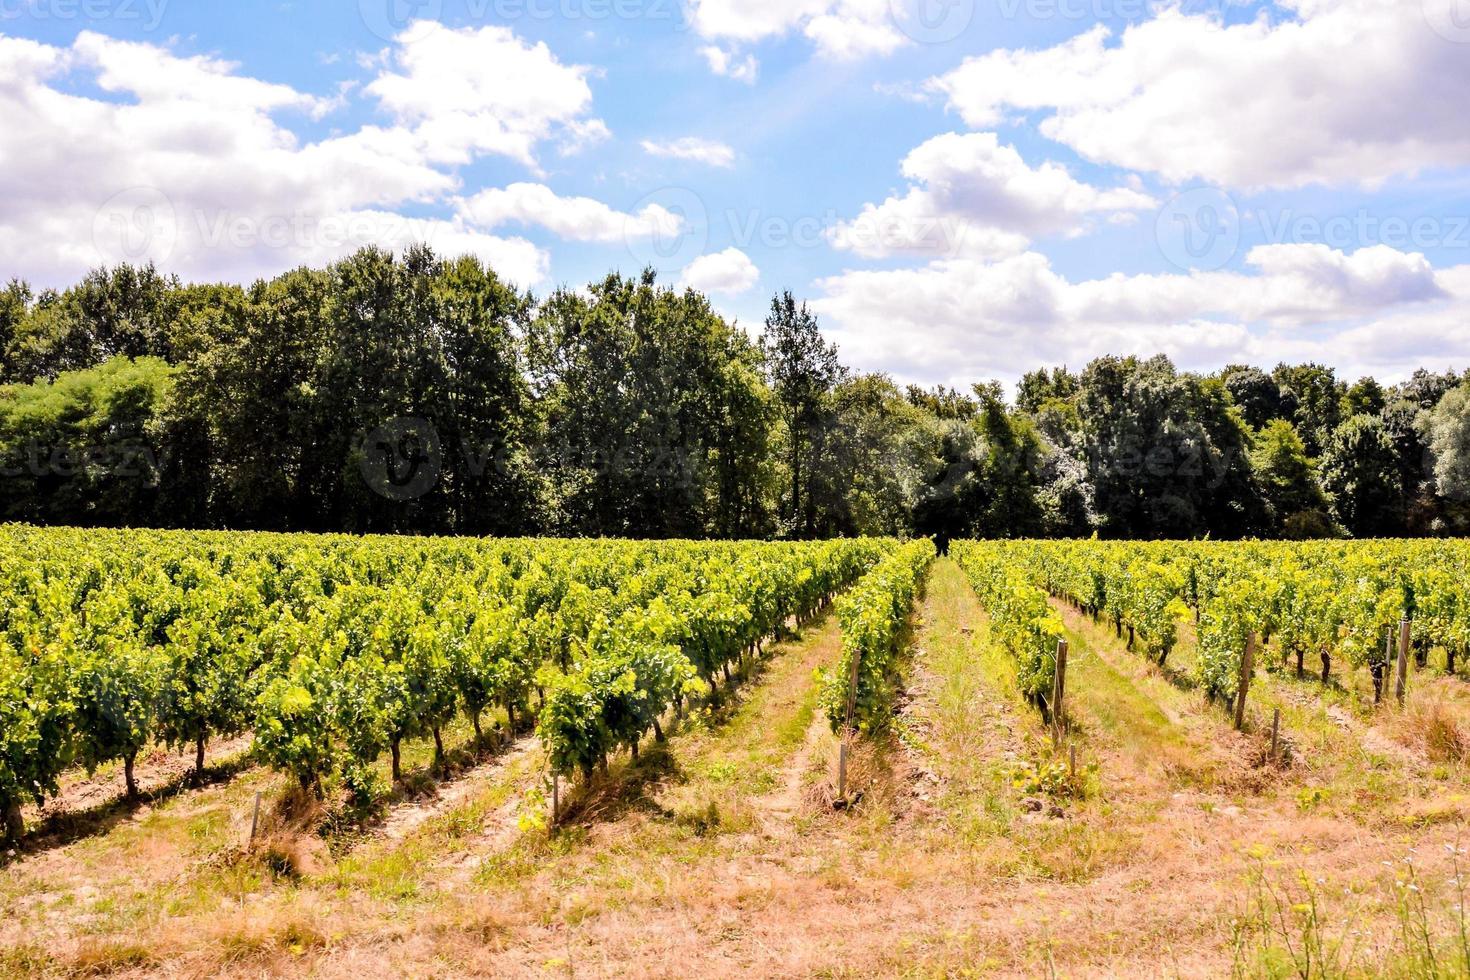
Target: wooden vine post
1059	694
1401	675
255	818
1242	687
852	686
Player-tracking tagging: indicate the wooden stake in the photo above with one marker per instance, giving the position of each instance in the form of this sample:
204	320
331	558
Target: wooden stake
255	819
1242	687
1059	693
852	686
1401	680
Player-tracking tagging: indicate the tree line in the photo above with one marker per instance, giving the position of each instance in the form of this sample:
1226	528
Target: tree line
422	394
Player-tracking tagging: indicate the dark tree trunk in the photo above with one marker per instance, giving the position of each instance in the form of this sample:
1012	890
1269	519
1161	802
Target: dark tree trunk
1301	664
510	711
199	744
1449	661
1132	635
658	733
132	783
1377	671
634	748
438	747
475	724
1326	667
394	749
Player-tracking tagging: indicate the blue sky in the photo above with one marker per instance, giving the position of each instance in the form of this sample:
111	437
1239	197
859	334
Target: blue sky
963	188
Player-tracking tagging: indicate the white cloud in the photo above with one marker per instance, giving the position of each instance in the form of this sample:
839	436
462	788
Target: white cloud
840	29
978	198
188	163
704	151
579	219
1343	92
730	65
729	273
957	320
471	92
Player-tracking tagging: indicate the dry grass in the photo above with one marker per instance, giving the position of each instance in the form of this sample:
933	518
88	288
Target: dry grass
720	854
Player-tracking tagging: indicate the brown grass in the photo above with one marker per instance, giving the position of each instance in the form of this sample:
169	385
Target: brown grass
720	855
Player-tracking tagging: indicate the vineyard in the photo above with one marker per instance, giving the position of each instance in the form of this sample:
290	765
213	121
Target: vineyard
457	756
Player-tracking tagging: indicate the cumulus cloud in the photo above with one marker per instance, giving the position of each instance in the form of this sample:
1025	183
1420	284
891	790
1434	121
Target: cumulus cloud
126	151
976	197
962	319
731	65
471	92
840	29
580	219
710	152
728	273
1334	91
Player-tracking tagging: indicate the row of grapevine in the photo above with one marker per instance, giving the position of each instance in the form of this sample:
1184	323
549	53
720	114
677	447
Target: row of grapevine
1323	599
1021	619
333	649
873	615
638	667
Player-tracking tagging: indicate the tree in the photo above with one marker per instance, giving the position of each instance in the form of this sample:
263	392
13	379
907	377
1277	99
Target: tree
1166	452
1255	393
1013	456
1318	397
127	311
656	421
1447	432
1360	472
1366	397
15	303
1036	388
1297	503
803	370
86	449
1426	388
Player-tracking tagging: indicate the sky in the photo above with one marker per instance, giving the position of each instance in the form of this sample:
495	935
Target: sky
962	189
